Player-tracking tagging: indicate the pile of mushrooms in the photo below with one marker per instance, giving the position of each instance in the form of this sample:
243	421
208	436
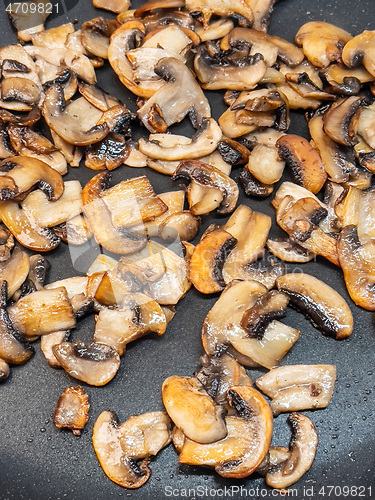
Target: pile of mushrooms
166	53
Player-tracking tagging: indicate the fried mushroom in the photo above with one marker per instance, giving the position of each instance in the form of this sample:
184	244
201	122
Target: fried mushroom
324	306
72	410
298	387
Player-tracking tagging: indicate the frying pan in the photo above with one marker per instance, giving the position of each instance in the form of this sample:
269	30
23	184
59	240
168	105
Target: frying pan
38	461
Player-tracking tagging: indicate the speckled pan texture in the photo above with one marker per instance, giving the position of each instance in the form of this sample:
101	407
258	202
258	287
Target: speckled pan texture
38	461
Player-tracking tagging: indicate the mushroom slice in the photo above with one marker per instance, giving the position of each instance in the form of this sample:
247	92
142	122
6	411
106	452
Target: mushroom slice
269	46
242	76
43	312
108	154
53	38
75	122
116	6
167	106
266	275
95	364
207	175
4	370
26	137
27	172
267	308
298	387
72	410
247	442
158	4
300	220
304	161
13	348
53	213
215	30
262	11
357	261
174	200
346	80
127	37
72	59
221	8
289	251
48	341
306	88
20	90
54	160
114	240
252	186
207	261
27	231
323	305
366	124
322	43
137	316
133	202
174	147
192	410
95	35
119	448
233	152
359	49
181	225
218	374
97	97
338	120
302	449
15	271
74	231
175	281
265	165
250	229
27	22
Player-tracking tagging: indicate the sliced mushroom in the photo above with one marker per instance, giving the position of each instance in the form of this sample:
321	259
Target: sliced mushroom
181	225
27	22
322	43
21	90
43	312
167	105
207	175
4	370
248	440
250	229
116	6
175	147
6	244
221	8
75	122
72	410
289	251
74	231
261	10
133	202
124	450
13	348
270	46
192	410
95	364
298	387
366	124
304	161
27	231
359	49
53	213
48	341
302	449
267	308
137	316
356	261
265	165
99	220
323	305
215	30
108	154
15	270
242	76
95	35
218	374
346	80
222	327
338	120
55	160
53	38
27	172
252	186
208	259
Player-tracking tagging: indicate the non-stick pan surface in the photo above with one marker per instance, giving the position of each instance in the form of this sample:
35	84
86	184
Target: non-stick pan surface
38	461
